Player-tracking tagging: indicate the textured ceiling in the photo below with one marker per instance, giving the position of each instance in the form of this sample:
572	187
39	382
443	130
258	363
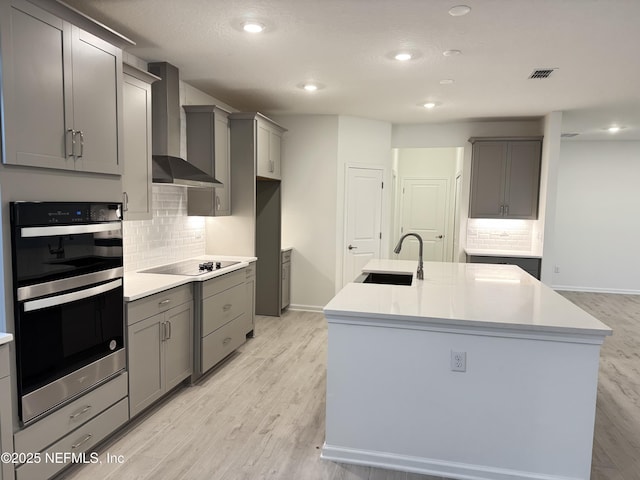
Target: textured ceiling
346	45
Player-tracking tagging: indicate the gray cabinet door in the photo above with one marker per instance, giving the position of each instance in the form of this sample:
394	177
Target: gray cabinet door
37	86
146	378
137	177
488	172
286	284
522	180
97	102
178	358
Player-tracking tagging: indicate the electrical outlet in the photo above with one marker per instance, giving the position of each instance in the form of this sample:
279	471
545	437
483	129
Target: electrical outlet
458	361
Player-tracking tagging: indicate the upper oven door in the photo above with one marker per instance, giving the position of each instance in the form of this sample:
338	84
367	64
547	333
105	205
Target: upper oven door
78	243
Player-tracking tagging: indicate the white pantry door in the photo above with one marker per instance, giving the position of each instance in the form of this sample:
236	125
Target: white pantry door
424	210
363	220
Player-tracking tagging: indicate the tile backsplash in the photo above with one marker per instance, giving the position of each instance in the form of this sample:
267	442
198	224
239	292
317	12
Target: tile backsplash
495	234
168	237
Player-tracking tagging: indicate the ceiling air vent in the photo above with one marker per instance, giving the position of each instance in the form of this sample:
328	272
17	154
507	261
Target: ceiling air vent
542	73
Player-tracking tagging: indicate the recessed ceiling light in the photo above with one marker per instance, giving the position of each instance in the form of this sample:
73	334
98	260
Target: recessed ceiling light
429	105
614	129
403	56
310	87
446	81
459	10
451	53
253	27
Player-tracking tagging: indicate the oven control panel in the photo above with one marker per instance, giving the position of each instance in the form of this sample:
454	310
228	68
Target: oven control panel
64	213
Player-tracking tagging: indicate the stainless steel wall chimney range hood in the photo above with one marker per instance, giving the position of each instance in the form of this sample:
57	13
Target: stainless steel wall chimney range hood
167	166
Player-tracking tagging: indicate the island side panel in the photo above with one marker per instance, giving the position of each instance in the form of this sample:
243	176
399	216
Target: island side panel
523	408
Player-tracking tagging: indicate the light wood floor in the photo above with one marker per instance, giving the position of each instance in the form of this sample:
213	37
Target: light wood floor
261	415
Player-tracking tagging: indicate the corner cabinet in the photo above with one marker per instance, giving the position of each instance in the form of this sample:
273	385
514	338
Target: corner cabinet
160	345
505	177
208	149
62	89
137	178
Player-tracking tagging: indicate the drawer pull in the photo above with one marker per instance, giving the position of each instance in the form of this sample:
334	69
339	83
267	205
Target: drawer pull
165	302
82	442
226	340
227	307
75	415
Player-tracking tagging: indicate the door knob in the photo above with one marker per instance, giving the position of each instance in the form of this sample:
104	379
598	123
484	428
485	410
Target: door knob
351	247
440	236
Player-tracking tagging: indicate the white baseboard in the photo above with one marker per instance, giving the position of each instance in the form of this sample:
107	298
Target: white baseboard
428	466
305	308
573	288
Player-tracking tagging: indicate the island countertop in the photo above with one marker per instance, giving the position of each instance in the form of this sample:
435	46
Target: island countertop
490	297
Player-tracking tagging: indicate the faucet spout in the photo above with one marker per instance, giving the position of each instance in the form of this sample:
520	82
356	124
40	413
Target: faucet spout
420	272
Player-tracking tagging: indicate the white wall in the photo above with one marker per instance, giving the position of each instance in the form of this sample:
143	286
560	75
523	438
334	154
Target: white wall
309	196
597	226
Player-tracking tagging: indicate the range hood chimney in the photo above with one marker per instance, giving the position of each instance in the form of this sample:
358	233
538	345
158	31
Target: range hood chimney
167	166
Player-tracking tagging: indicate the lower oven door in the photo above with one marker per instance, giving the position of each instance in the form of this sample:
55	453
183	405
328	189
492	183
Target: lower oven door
66	343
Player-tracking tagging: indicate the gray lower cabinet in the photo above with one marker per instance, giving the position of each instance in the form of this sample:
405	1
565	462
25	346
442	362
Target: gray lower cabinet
208	149
223	321
531	265
137	176
160	345
77	427
6	417
62	89
505	178
250	299
286	279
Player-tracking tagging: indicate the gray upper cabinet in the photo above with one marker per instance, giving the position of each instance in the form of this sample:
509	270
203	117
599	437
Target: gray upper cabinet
62	90
208	149
269	149
137	178
505	178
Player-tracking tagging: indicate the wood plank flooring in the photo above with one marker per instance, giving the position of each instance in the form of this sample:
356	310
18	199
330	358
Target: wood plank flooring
261	415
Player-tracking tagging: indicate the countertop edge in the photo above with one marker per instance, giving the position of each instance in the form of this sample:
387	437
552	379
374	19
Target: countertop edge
5	338
478	252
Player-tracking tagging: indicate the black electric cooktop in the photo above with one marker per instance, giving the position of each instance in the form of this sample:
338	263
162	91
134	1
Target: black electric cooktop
191	267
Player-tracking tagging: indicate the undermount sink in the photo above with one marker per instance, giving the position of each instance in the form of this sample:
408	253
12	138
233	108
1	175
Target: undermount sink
386	278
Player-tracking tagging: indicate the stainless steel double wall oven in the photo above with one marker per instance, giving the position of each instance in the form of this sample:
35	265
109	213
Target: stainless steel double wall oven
68	300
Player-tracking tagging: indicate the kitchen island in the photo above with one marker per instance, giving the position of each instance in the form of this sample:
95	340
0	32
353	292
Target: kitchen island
477	372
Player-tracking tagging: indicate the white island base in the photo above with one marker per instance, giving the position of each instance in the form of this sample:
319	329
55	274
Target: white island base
523	409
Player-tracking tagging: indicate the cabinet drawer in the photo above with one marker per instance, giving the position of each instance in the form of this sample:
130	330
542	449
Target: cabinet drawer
220	309
52	427
81	440
222	342
160	302
222	283
286	256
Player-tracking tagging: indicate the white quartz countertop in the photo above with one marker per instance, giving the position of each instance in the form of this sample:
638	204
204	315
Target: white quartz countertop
471	295
502	253
5	338
139	285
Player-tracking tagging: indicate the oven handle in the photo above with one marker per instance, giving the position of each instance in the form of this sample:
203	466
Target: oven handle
71	297
26	232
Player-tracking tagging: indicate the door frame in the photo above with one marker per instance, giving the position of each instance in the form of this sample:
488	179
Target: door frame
342	238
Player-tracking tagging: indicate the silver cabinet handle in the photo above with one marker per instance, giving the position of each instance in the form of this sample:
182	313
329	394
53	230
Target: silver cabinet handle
71	146
79	132
125	198
75	415
165	302
506	209
218	203
82	442
169	330
351	247
226	340
501	210
227	307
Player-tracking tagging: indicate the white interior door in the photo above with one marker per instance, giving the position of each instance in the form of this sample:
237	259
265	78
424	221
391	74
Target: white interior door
363	220
424	211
